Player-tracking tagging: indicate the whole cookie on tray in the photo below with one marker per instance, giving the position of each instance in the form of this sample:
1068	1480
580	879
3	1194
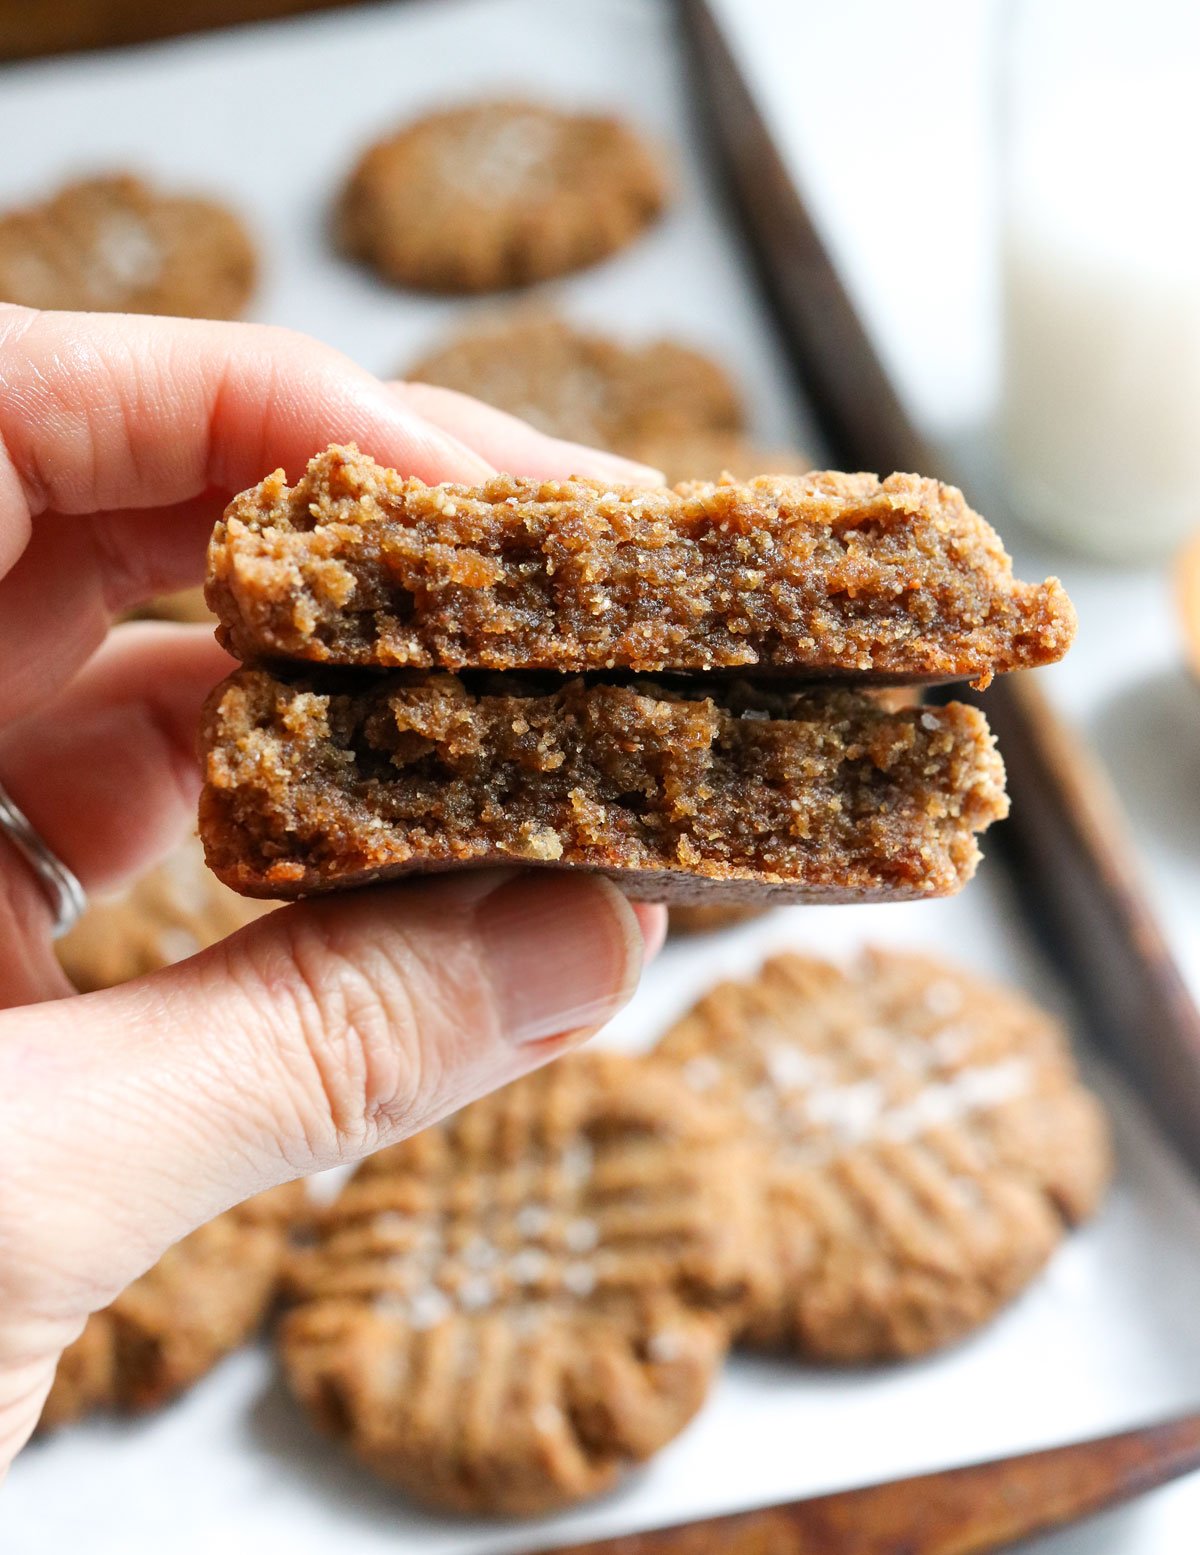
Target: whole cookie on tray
508	1311
926	1141
114	244
205	1296
588	387
497	194
170	912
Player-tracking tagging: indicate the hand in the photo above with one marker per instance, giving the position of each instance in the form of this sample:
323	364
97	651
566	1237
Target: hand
327	1029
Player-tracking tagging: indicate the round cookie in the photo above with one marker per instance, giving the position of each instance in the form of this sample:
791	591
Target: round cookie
586	387
172	911
506	1312
114	245
700	453
925	1141
203	1298
498	194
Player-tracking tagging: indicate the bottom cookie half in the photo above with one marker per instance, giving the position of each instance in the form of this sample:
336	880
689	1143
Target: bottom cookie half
693	793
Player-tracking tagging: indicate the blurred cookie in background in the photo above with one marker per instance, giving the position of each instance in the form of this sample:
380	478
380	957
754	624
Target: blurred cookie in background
187	606
707	920
115	244
172	911
926	1143
585	386
492	195
206	1296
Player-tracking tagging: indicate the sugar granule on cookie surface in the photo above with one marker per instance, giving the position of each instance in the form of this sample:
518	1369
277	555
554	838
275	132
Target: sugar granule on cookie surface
819	575
510	1310
925	1142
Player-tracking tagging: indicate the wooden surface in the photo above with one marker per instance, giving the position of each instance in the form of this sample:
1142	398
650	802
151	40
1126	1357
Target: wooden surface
29	28
1066	837
959	1512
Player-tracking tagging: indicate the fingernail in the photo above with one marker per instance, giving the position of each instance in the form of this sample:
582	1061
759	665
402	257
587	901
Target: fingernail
562	953
653	921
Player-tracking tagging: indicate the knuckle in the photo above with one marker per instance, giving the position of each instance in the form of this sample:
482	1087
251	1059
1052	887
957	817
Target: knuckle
343	1027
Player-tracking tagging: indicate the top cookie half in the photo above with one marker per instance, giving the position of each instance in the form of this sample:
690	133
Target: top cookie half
817	576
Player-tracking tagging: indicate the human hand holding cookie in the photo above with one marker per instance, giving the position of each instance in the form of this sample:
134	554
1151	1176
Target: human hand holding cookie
322	1031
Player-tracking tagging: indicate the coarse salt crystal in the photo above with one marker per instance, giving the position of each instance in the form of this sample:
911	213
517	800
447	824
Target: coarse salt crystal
579	1279
532	1220
581	1235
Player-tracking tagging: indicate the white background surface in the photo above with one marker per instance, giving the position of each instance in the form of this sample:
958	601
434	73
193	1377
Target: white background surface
271	118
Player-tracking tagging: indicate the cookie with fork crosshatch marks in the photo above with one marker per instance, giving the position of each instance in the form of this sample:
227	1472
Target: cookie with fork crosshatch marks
203	1298
926	1142
508	1311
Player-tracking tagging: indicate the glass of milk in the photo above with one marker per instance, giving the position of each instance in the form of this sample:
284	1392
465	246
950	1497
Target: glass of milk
1100	407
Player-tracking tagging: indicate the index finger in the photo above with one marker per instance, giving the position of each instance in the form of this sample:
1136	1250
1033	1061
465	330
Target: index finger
105	412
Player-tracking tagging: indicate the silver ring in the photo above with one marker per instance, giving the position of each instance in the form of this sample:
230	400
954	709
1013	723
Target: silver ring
67	897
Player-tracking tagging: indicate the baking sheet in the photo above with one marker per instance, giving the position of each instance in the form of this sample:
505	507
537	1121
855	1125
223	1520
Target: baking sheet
1110	1337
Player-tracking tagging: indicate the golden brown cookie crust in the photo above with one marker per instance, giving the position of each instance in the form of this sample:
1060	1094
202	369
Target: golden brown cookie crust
114	244
925	1141
823	576
508	1311
498	194
587	387
677	794
206	1296
174	910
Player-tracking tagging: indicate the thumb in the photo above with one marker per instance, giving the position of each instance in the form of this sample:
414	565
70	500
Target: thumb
319	1033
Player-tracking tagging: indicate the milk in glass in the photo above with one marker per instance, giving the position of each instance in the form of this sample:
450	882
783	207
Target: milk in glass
1100	415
